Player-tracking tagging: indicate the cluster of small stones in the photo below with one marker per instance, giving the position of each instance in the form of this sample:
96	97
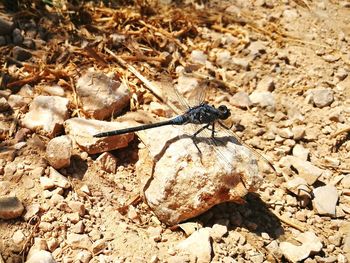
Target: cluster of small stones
77	224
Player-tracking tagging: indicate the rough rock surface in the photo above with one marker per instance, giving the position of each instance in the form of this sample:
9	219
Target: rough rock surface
202	253
310	243
47	113
59	151
326	198
100	95
185	184
82	130
41	256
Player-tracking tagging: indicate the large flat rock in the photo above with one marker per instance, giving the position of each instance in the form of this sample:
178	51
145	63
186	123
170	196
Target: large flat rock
82	130
100	95
180	183
47	113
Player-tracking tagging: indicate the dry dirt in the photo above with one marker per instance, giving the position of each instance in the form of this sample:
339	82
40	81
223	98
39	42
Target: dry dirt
305	46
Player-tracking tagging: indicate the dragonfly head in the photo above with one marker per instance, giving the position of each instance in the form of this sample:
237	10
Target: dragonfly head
224	112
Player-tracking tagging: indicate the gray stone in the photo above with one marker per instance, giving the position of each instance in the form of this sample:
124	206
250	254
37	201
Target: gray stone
322	97
3	42
198	245
325	201
241	100
223	58
47	113
82	130
263	98
6	27
59	152
21	54
198	56
58	179
305	169
101	96
17	37
10	207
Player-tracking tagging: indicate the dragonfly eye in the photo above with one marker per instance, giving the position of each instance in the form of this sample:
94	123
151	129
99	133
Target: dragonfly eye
225	112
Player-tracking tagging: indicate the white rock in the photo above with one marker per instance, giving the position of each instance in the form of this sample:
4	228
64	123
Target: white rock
85	189
41	256
322	97
263	98
185	184
46	183
82	131
198	245
31	210
58	179
108	162
300	152
18	237
285	133
305	169
55	90
100	95
186	85
310	243
325	201
39	244
242	62
257	47
266	84
290	14
4	105
17	101
77	206
79	241
47	113
52	244
345	182
198	56
84	256
223	58
59	151
218	231
241	99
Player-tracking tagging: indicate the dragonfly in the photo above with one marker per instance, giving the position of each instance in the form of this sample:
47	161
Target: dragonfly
201	114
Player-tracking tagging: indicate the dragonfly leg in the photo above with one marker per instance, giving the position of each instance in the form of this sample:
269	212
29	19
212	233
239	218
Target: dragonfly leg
194	136
224	126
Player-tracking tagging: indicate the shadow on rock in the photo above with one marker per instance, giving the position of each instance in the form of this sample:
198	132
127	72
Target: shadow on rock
253	215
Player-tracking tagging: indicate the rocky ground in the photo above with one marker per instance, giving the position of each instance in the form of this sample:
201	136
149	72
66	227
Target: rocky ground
69	71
